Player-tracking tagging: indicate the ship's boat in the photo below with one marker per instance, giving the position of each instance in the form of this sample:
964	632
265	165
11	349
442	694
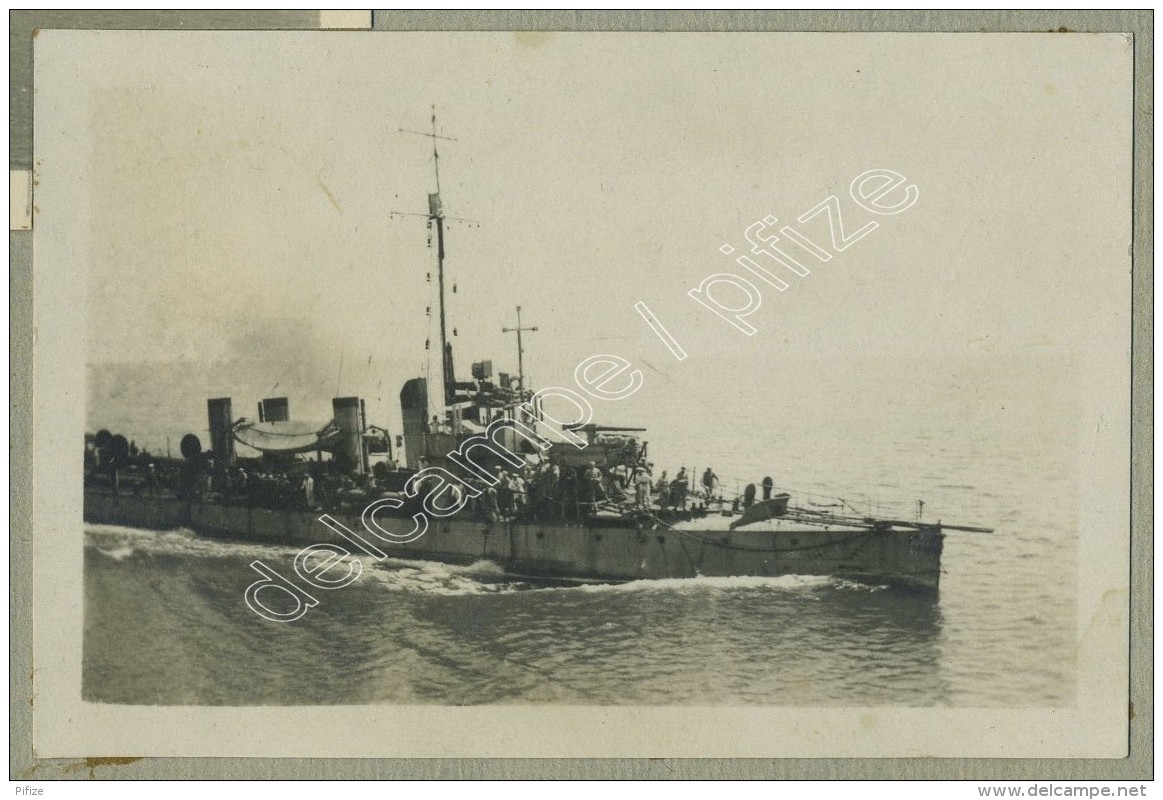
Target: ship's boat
287	437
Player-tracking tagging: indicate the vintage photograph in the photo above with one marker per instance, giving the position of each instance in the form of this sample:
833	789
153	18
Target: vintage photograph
555	370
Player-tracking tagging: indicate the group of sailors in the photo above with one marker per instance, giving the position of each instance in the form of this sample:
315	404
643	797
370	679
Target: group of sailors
543	491
139	475
553	491
251	485
315	488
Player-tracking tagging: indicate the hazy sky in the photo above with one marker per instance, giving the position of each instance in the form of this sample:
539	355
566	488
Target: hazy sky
236	187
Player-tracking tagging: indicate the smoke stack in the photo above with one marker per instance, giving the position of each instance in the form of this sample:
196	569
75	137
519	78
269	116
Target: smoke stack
414	409
221	441
347	417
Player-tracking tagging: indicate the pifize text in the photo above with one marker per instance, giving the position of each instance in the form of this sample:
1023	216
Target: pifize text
730	296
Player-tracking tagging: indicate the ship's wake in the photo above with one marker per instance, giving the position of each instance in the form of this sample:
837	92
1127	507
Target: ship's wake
486	577
438	578
120	543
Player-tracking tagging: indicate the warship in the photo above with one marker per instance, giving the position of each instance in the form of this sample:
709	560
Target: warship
567	503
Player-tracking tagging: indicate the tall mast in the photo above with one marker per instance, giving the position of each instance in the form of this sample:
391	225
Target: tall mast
436	219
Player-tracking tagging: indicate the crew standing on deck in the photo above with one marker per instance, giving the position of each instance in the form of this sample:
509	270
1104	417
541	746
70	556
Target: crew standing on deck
663	487
491	506
768	485
709	480
678	490
594	483
551	489
520	495
504	492
309	490
642	484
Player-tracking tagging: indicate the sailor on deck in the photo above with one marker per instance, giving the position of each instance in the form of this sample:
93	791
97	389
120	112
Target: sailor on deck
594	482
504	491
309	490
621	476
678	490
518	486
642	484
709	480
491	507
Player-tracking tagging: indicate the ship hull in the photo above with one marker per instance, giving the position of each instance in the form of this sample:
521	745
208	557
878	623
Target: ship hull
599	551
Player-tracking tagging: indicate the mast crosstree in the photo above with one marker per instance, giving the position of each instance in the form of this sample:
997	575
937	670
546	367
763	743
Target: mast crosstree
520	348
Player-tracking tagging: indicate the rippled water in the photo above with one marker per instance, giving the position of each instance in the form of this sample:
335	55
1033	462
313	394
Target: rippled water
173	630
166	622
